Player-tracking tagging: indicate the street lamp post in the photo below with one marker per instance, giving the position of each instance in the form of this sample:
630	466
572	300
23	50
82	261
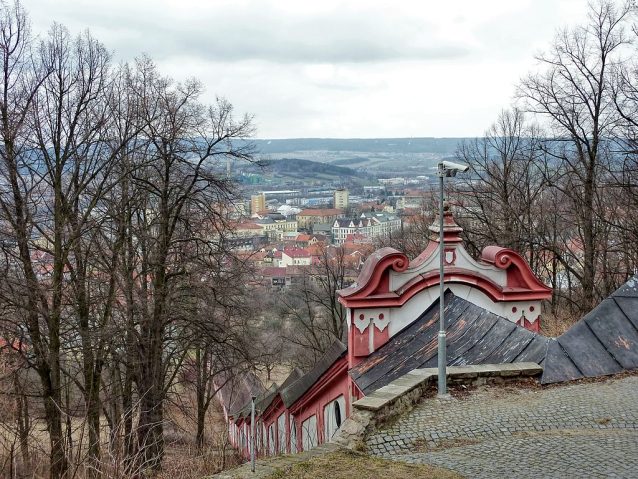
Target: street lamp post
449	169
252	434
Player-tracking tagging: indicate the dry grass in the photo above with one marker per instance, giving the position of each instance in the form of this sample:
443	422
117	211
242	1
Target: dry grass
553	325
349	465
181	460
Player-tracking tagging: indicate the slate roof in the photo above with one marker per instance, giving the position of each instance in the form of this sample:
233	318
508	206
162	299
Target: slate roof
297	389
265	399
474	336
602	343
262	401
237	391
292	377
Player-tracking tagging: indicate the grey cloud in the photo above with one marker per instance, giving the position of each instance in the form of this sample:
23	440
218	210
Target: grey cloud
262	33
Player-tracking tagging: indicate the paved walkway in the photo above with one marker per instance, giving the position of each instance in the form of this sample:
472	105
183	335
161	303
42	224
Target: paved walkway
577	431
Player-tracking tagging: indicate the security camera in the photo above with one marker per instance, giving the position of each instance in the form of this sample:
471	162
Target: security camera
456	167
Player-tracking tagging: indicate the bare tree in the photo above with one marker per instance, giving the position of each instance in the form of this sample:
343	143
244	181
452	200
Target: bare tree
503	184
178	184
572	93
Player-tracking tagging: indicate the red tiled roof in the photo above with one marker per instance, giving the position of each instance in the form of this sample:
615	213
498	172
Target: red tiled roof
296	252
316	250
272	272
245	226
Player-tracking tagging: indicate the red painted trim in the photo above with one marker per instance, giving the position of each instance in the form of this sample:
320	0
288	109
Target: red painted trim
372	291
519	274
339	367
452	276
380	337
361	342
273	409
375	274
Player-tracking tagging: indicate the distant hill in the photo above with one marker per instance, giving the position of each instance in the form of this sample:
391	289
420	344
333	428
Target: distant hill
293	166
371	145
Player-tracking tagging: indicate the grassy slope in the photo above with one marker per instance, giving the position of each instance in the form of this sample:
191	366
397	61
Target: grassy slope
350	465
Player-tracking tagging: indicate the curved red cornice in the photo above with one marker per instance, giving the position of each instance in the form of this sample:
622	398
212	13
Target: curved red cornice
375	274
519	274
372	287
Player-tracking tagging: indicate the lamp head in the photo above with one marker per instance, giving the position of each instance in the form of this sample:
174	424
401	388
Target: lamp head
449	168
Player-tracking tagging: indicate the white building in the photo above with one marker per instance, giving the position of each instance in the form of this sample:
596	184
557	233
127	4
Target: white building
371	225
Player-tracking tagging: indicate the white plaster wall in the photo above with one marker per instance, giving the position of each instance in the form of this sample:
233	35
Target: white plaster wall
378	316
463	260
309	433
244	435
271	439
281	433
330	419
293	435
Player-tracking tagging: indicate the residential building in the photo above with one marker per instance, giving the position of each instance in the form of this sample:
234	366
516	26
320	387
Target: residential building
422	200
247	229
275	225
370	225
295	256
308	240
276	277
309	217
257	203
340	198
323	229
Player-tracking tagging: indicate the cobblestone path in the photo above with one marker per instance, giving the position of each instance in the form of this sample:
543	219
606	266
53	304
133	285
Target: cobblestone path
577	431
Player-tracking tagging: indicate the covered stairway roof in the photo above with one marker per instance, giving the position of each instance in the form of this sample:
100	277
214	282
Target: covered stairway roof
604	342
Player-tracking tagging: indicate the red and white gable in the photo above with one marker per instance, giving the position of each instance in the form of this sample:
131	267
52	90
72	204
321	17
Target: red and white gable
391	292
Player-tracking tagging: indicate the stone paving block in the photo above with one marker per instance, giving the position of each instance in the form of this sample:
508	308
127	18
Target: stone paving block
559	429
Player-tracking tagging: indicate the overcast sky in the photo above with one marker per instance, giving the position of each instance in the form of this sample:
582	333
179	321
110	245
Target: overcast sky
340	69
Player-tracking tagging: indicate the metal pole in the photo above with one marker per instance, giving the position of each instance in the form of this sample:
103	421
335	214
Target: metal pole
442	339
252	435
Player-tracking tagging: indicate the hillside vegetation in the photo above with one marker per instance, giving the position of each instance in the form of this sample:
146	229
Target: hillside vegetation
372	145
293	166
